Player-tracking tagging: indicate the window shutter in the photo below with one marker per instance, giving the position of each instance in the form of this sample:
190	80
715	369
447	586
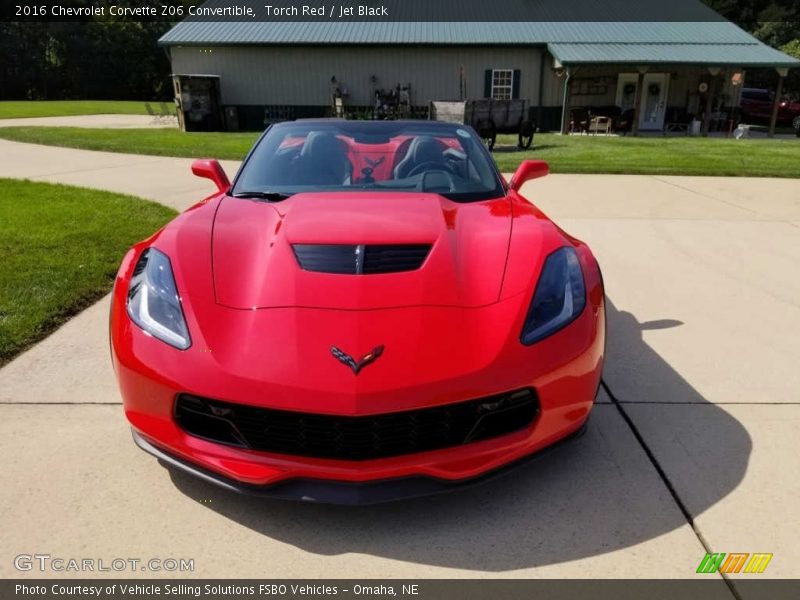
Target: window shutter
515	84
487	84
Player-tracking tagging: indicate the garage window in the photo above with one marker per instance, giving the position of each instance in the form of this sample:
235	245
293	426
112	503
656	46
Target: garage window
502	84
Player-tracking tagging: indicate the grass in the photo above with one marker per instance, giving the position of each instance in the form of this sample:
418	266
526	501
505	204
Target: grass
678	155
68	108
61	247
656	155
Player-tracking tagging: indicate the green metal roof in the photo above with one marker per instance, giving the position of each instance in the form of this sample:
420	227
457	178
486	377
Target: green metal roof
572	42
457	33
744	55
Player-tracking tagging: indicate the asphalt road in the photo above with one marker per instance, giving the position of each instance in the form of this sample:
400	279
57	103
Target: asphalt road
694	442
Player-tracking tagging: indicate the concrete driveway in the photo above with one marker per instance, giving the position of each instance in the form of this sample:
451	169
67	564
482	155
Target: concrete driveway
95	122
693	446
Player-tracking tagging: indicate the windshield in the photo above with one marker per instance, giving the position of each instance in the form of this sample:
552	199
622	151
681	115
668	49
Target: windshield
385	156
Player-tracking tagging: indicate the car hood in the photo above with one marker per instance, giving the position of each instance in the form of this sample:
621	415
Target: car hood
255	264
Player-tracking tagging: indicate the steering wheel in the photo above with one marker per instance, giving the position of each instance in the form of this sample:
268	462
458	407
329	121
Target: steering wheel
430	165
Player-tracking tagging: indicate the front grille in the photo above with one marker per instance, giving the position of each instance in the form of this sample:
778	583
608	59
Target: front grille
356	438
348	259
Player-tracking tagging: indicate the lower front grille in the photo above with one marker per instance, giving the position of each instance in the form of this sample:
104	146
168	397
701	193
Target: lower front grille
356	438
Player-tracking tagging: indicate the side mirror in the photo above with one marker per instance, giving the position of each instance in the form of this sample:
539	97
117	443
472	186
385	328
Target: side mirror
211	169
529	169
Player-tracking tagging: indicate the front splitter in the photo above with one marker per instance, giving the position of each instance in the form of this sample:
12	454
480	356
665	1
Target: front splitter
326	491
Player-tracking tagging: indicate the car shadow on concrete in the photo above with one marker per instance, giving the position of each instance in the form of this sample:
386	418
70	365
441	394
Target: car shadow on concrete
595	495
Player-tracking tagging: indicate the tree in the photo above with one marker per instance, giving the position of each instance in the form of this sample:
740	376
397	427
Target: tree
792	48
103	58
774	22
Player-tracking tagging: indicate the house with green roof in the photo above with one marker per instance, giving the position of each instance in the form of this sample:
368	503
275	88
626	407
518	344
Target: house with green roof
640	75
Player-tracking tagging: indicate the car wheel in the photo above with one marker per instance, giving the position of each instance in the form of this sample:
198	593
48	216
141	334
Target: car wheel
796	124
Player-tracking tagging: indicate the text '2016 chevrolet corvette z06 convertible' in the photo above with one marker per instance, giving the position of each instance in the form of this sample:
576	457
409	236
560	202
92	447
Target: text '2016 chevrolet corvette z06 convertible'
369	312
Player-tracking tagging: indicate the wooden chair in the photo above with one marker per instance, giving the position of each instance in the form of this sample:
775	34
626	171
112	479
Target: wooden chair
601	124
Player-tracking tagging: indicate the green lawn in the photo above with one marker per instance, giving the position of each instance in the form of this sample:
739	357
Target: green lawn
61	247
65	108
656	155
566	154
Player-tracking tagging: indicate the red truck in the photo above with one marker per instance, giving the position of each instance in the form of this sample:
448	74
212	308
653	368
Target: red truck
756	106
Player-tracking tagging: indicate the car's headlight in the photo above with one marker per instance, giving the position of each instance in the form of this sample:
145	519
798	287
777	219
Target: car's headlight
153	301
559	298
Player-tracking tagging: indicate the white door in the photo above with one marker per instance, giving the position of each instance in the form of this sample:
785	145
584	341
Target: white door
626	90
654	101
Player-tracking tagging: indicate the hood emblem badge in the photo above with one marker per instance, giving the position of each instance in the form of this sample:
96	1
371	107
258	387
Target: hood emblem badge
349	361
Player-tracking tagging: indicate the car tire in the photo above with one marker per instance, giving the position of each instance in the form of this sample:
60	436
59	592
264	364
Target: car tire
796	124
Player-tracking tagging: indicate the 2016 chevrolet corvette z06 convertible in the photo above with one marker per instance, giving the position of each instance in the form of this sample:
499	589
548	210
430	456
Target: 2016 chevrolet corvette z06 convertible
368	312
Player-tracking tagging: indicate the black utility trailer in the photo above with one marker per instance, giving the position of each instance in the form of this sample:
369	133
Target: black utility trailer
488	117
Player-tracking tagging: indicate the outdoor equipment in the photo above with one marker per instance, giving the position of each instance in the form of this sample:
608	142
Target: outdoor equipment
197	98
488	117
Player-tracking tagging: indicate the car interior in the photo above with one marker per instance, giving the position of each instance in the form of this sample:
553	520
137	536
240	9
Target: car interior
291	159
325	159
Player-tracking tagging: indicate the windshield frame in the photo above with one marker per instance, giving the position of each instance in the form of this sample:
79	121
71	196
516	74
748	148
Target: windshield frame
404	127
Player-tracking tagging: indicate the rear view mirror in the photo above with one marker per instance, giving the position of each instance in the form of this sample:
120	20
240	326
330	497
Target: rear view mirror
529	169
211	169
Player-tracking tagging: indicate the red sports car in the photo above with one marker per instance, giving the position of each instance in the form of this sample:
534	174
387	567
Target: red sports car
369	312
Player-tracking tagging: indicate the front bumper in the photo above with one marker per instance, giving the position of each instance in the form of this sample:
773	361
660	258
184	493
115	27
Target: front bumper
566	385
339	492
436	356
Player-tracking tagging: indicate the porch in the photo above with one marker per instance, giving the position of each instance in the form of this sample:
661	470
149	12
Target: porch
671	99
633	88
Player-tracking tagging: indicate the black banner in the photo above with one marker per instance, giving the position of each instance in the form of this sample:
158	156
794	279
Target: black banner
704	587
343	11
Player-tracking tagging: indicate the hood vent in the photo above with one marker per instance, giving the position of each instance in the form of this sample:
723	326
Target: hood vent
348	259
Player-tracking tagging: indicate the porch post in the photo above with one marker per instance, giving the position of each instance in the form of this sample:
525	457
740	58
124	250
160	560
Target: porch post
565	103
711	97
776	103
637	101
542	56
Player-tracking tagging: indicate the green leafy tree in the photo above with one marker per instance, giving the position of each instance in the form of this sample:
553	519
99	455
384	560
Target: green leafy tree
792	48
104	58
774	22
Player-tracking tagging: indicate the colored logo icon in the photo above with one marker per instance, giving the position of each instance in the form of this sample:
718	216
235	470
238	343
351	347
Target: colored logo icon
735	562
